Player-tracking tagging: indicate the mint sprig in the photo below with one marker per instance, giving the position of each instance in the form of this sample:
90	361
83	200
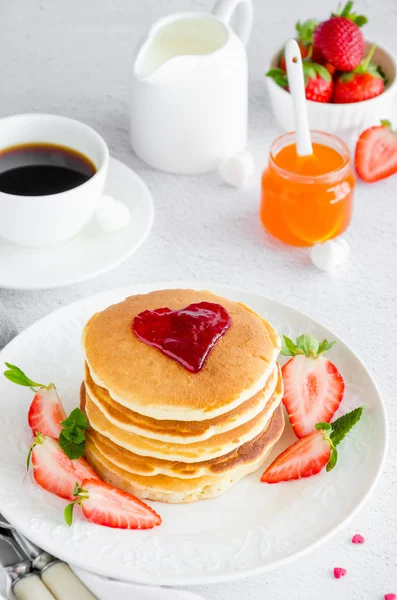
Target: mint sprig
72	437
335	432
305	344
16	375
342	426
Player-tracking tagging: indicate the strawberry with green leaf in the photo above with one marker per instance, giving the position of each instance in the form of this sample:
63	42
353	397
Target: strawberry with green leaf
365	82
46	410
310	454
105	505
318	81
313	386
339	39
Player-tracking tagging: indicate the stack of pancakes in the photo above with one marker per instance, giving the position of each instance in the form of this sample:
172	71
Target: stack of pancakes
163	433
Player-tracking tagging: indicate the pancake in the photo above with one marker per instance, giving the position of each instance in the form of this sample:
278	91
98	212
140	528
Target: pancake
218	445
178	431
145	381
174	489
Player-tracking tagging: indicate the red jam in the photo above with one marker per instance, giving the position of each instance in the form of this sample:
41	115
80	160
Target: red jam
187	335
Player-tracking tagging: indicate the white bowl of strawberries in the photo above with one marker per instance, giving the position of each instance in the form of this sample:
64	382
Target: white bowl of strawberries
350	83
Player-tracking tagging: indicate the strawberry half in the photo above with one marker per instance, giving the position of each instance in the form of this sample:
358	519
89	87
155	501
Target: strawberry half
318	81
376	153
46	412
54	471
105	505
340	40
313	386
364	83
309	455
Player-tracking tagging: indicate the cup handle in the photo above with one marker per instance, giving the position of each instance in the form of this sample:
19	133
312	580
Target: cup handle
224	10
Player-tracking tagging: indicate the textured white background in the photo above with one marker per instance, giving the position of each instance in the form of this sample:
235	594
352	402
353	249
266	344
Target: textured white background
74	58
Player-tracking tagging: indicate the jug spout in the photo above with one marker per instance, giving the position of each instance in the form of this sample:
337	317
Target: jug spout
174	42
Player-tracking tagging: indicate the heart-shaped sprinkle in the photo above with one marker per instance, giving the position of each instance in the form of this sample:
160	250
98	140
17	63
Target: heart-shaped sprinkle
187	335
390	596
339	572
358	539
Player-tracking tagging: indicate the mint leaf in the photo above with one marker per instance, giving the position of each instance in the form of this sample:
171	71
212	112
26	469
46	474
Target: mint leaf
14	374
78	436
308	344
342	426
70	448
75	419
68	514
324	347
288	348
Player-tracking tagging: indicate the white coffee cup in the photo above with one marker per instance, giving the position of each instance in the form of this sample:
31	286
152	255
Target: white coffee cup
38	221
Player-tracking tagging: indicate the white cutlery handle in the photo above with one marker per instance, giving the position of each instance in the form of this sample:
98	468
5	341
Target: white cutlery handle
64	584
31	588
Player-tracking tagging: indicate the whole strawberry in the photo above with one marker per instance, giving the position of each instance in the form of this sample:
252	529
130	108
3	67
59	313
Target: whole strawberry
318	81
363	83
340	40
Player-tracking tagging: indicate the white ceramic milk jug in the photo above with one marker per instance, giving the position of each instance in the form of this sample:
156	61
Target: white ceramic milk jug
190	89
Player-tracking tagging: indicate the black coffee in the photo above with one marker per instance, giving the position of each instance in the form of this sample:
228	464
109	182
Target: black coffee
42	169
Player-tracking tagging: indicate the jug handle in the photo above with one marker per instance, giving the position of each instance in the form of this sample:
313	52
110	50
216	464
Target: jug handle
224	10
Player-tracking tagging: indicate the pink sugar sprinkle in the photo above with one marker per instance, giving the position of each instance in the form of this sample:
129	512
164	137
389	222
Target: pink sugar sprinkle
339	572
358	539
390	596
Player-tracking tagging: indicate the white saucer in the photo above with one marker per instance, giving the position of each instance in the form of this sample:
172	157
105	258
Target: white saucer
93	251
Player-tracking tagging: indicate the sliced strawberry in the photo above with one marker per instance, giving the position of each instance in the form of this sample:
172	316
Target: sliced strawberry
46	412
105	505
54	471
376	153
313	386
304	458
309	455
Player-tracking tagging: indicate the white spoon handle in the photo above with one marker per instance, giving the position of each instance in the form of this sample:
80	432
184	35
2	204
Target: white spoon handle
297	88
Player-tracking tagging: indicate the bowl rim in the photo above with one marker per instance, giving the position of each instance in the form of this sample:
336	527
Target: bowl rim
352	105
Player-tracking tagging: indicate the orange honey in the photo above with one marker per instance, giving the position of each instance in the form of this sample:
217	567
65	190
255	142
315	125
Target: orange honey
307	199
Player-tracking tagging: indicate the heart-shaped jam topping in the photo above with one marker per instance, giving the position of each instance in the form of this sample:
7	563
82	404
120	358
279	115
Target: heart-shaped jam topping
187	335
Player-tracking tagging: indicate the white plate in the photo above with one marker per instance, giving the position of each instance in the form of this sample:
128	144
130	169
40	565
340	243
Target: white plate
252	528
90	253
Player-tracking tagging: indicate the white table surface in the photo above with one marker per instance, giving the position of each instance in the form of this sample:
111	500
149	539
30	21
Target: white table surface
73	58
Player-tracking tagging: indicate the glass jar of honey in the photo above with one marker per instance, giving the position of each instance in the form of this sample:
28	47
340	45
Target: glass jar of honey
307	200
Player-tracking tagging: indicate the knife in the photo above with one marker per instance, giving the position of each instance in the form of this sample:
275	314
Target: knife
25	584
57	575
